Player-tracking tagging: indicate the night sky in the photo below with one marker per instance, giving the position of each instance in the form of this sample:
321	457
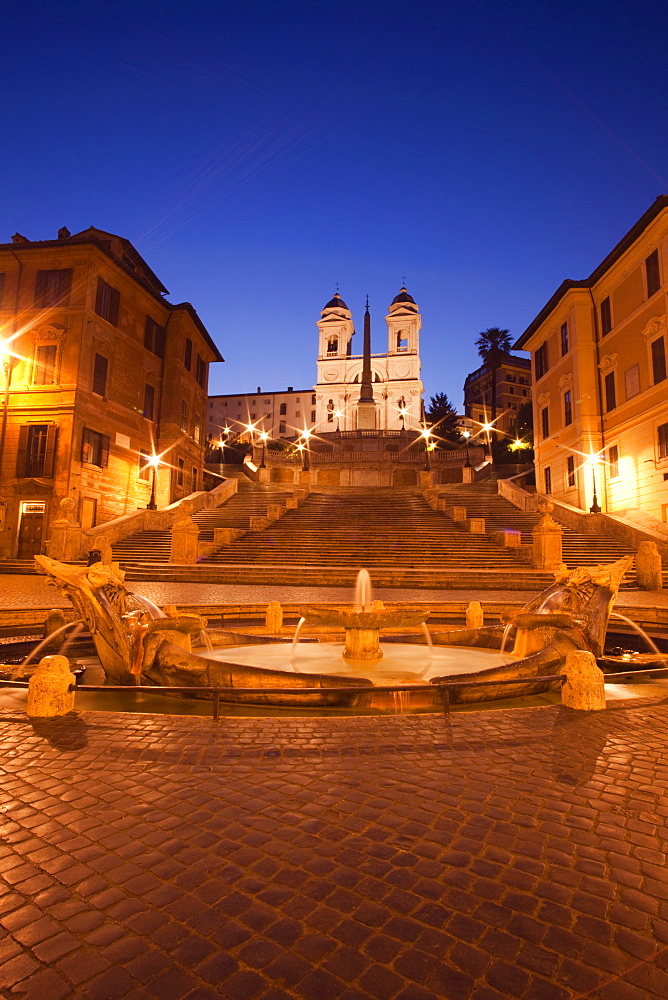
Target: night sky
257	154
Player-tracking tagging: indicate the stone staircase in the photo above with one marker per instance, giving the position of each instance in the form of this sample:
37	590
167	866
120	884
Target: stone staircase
154	546
482	500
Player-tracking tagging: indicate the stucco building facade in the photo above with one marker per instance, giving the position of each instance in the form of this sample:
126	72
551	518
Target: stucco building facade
513	389
99	372
599	349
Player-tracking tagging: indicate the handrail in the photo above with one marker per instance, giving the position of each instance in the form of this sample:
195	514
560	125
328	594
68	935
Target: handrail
445	686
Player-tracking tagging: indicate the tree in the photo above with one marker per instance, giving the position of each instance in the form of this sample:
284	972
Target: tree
442	416
493	347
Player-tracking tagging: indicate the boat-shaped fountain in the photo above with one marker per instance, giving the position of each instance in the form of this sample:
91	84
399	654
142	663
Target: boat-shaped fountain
134	645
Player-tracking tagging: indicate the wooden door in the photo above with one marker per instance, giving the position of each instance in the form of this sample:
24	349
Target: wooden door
30	535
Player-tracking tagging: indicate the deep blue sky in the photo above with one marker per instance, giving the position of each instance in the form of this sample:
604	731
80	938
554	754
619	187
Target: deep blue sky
258	153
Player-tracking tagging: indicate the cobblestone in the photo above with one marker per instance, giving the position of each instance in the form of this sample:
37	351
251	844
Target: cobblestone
395	857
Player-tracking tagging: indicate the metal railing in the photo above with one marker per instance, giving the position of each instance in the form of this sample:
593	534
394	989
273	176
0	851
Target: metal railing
444	688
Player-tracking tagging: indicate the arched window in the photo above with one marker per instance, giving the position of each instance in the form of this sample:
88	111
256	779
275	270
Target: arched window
332	345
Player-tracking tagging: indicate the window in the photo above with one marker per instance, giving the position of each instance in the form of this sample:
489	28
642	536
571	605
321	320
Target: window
570	470
188	354
652	273
282	427
662	431
52	288
332	345
545	421
606	317
194	479
658	360
37	450
541	360
144	471
613	461
184	415
44	370
283	409
179	472
201	371
197	431
568	408
312	416
610	392
149	401
632	381
313	399
564	339
100	370
511	390
2	289
95	448
298	413
154	337
548	480
107	302
524	392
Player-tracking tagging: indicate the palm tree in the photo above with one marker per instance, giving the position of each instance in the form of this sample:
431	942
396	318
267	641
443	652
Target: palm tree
493	347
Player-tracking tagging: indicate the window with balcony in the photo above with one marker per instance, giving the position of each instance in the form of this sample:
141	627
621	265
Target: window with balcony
52	288
37	450
107	302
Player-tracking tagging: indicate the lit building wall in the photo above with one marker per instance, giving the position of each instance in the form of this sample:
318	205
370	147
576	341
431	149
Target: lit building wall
599	350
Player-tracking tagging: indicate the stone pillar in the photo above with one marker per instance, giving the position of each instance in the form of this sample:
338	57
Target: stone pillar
274	511
649	571
456	513
291	503
476	525
467	474
546	541
584	688
49	692
263	475
273	619
185	541
426	479
474	615
66	540
257	522
225	536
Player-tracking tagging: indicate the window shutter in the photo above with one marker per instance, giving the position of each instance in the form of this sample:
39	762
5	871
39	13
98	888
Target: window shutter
22	451
160	341
104	451
148	333
100	369
50	453
86	445
64	285
188	354
41	285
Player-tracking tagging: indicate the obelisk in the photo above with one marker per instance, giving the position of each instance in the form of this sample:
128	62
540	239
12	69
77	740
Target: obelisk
366	406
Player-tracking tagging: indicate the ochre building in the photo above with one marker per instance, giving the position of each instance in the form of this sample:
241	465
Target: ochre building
600	391
99	373
513	388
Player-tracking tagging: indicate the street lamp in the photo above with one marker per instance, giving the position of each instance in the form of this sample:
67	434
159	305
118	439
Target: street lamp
264	437
426	434
402	416
154	462
6	359
487	428
306	463
338	414
593	460
466	435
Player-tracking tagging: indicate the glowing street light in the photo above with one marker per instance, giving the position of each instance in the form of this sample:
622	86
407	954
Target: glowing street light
153	461
426	434
466	434
338	414
593	460
264	437
306	458
403	413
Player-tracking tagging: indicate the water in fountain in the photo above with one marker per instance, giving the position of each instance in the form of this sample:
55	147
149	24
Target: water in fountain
363	591
49	638
641	632
151	609
295	640
205	640
506	633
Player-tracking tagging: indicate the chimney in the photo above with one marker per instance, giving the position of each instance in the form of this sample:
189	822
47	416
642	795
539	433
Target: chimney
17	238
64	233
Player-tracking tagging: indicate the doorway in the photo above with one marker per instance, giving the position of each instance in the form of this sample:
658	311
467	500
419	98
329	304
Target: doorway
31	530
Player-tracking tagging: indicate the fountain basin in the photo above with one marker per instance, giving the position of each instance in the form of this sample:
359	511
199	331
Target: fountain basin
363	628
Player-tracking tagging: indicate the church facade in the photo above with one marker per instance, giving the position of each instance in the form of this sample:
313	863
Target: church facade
396	389
394	401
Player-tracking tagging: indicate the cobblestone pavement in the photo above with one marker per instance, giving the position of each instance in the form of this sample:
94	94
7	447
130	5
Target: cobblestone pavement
485	856
33	592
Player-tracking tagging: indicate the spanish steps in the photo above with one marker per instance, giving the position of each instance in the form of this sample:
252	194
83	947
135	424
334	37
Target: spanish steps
391	531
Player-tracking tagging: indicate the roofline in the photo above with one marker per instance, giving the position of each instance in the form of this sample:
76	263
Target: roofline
655	209
278	392
190	309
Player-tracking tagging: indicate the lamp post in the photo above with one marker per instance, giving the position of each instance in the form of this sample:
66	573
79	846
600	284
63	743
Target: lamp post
467	435
338	414
426	434
154	462
593	461
487	427
264	437
306	458
6	359
402	416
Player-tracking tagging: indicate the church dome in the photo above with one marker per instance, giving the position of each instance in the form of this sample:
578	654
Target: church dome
403	296
336	303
